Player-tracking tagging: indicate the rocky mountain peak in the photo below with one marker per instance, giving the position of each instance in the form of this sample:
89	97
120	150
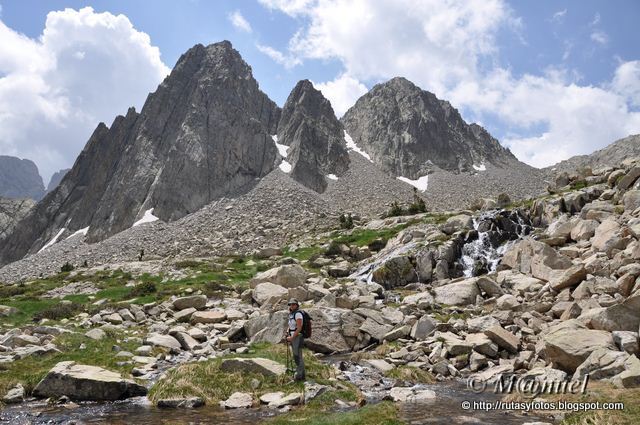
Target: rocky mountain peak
203	134
408	131
315	137
19	178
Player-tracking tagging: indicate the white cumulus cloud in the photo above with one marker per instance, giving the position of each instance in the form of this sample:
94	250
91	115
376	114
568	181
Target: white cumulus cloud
342	92
288	61
86	67
239	21
450	48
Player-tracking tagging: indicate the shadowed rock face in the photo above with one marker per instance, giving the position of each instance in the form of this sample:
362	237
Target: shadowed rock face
407	131
11	212
203	134
19	178
310	128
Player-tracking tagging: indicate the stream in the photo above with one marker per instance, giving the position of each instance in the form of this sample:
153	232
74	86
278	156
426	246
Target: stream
445	409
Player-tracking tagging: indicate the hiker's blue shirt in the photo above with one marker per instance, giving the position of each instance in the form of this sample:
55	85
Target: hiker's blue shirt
293	317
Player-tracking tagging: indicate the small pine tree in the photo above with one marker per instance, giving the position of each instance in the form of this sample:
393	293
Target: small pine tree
396	210
418	205
66	267
348	222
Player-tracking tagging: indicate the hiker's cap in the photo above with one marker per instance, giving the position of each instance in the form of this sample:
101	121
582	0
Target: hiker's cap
293	301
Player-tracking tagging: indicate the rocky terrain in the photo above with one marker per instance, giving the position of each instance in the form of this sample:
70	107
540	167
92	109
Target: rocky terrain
545	289
208	133
19	178
611	156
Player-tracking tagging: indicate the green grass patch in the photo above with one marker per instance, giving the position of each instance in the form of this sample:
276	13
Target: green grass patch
384	413
30	370
363	237
302	254
437	218
206	380
411	375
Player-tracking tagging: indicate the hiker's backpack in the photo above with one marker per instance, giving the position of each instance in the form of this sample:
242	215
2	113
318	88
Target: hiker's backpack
306	324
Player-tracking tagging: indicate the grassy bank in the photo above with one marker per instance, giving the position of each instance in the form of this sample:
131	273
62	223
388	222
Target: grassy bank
30	370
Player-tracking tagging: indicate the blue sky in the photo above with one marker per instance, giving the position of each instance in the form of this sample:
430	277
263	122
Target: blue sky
548	79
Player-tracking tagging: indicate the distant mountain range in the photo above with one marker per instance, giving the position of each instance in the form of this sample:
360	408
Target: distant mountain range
209	132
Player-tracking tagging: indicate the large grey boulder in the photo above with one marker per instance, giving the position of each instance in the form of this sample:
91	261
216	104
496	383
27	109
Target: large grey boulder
269	293
397	271
288	276
569	344
268	327
608	237
536	259
458	293
332	328
407	131
314	135
82	382
194	301
203	134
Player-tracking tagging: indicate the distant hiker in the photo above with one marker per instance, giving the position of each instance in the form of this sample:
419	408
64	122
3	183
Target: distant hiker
296	337
141	254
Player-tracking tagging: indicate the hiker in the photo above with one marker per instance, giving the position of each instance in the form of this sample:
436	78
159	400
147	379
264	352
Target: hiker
296	337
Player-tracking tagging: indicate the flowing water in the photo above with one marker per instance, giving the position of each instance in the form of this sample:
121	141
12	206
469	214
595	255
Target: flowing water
494	232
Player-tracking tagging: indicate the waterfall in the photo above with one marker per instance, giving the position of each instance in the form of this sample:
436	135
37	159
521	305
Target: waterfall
494	232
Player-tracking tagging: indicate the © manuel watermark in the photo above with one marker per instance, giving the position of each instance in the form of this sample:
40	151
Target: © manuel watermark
527	386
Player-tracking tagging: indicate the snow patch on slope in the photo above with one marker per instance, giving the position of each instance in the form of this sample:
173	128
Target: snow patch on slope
54	240
148	217
80	232
351	145
332	177
480	167
285	167
421	183
283	150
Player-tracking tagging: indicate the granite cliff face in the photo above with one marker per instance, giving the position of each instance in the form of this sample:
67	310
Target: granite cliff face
11	212
203	134
315	137
407	131
19	178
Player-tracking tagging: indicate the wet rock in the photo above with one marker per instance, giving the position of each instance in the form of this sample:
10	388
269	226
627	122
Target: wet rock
82	382
259	365
411	395
380	365
14	395
181	403
238	400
